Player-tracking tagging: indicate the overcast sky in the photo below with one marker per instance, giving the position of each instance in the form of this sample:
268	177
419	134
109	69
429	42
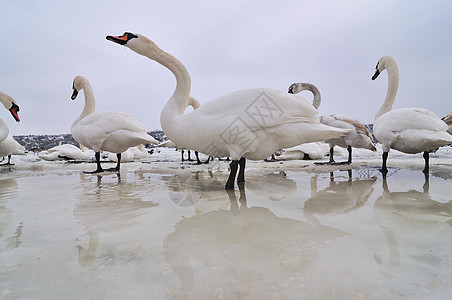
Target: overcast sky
226	46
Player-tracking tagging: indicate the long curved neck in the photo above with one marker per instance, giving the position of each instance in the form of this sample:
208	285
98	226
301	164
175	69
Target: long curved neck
90	102
315	91
393	85
178	102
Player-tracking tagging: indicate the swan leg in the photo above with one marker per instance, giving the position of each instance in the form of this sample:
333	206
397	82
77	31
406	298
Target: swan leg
189	156
349	161
99	168
332	155
383	169
7	163
198	161
230	183
349	148
118	164
331	160
241	177
426	159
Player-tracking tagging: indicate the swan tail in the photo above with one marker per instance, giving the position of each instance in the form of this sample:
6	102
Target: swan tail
325	132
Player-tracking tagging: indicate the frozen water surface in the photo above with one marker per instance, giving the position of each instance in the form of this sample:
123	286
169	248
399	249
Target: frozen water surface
164	229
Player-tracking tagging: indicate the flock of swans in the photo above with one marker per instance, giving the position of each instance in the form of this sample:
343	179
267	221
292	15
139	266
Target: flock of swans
248	124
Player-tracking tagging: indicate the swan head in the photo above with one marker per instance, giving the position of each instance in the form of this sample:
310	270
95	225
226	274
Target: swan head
295	88
135	42
77	85
11	105
382	65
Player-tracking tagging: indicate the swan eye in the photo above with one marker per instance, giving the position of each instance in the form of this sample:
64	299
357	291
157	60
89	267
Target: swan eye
130	36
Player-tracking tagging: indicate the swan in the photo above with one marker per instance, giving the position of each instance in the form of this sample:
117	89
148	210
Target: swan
306	151
409	130
139	152
105	131
448	119
65	152
7	144
251	123
358	137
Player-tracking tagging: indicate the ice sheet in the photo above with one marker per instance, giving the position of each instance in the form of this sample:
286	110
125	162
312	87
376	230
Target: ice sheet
165	229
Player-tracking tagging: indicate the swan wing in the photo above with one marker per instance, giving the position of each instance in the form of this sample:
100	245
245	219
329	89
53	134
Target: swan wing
411	118
411	130
110	131
251	123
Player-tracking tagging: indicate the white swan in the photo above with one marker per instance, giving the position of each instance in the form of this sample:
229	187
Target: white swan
139	152
7	144
448	120
358	137
105	131
409	130
245	124
65	152
306	151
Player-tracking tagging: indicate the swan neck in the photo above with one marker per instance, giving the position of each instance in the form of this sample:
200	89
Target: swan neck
393	85
317	98
90	102
179	100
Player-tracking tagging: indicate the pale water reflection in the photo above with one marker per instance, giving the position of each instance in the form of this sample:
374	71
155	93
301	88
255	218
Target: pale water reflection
283	235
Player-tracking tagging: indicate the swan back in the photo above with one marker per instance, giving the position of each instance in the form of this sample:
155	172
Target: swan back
253	125
358	137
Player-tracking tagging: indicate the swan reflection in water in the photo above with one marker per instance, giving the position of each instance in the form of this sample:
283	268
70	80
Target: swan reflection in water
339	197
404	216
200	190
8	191
109	206
243	249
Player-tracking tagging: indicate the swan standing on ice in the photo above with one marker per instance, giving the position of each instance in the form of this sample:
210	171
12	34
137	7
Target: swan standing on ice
7	144
249	124
409	130
358	137
105	131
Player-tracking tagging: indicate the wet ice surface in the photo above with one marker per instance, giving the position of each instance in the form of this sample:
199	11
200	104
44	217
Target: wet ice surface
162	229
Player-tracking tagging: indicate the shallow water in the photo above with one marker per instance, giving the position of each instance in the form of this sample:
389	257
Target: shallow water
288	234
